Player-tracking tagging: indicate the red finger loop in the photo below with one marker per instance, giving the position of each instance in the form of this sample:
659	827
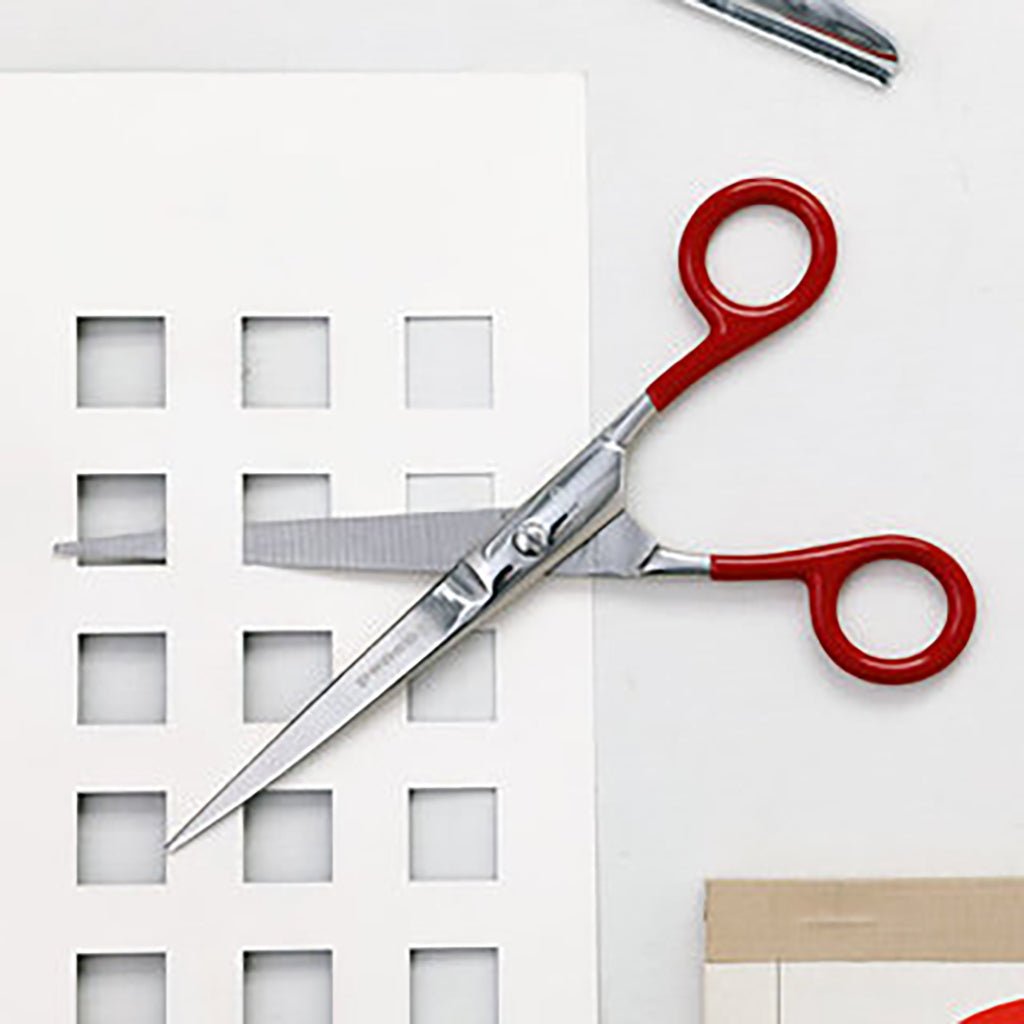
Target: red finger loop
733	325
825	569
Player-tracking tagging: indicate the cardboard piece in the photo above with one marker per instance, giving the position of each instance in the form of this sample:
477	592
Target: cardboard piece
961	920
920	951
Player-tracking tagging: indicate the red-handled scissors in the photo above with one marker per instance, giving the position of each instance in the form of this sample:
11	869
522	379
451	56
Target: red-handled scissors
575	523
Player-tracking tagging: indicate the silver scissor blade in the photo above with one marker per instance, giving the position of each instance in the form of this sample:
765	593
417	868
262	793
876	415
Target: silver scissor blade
427	542
827	29
418	542
410	542
126	548
443	614
619	549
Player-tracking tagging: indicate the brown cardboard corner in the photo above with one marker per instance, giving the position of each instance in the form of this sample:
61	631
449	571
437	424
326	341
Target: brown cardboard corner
944	919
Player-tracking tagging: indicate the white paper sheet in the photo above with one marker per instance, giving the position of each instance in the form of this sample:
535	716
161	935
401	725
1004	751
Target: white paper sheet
848	993
362	199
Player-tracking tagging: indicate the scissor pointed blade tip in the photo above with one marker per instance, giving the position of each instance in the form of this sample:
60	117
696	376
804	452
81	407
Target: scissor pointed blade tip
271	762
191	830
417	635
228	799
207	817
66	548
175	842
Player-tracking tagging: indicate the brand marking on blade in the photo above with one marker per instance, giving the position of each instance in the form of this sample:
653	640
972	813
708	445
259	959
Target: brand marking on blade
386	660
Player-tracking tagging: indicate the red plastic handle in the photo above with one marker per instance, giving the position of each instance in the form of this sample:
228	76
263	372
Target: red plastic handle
1010	1013
734	326
825	569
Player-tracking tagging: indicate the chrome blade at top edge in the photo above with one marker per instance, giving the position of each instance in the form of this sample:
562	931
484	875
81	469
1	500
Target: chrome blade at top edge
826	29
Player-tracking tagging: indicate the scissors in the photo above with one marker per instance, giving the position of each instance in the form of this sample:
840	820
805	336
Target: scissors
829	30
575	523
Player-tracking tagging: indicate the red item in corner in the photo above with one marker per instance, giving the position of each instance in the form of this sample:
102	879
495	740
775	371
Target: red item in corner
1008	1013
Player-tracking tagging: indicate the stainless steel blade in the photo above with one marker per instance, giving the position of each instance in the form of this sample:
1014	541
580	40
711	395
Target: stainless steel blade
425	542
431	542
413	542
619	549
446	611
122	549
827	29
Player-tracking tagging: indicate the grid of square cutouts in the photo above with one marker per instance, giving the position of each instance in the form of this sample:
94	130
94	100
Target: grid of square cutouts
123	677
446	986
285	362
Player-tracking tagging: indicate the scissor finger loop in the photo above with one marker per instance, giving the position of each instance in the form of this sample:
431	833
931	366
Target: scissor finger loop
827	568
726	315
733	325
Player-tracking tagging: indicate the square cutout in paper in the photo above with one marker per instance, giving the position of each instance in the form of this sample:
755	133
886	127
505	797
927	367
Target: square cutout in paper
448	492
282	670
453	985
121	988
460	687
288	987
121	838
115	503
121	362
453	835
449	362
285	362
122	678
288	836
268	496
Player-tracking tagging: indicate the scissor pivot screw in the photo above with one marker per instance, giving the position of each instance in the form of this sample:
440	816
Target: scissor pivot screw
531	540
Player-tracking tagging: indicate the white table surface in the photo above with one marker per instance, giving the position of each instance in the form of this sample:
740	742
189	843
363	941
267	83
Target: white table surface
727	746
